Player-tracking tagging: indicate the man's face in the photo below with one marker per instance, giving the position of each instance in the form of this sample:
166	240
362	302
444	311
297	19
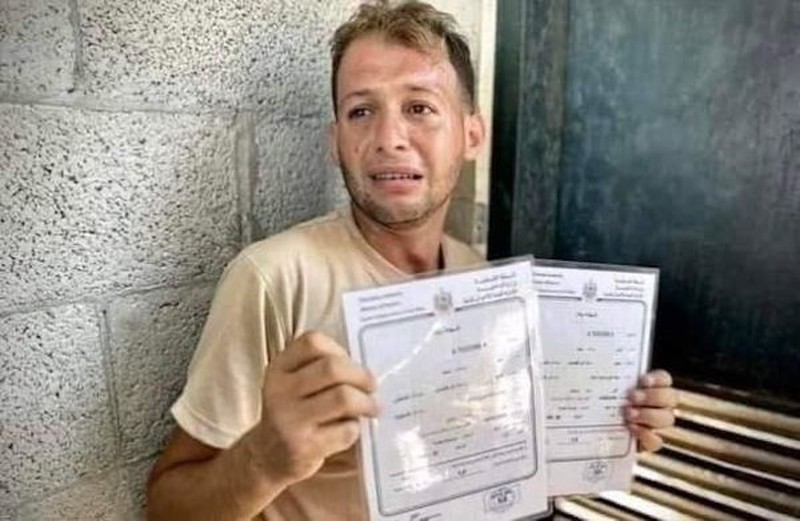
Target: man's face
403	130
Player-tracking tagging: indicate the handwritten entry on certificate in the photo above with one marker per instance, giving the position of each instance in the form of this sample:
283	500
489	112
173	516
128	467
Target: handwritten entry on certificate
461	431
596	330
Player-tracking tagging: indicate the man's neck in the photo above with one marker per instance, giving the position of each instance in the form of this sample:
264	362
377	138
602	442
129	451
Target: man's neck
415	249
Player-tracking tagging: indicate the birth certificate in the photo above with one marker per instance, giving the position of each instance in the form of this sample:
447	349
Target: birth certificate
596	330
461	434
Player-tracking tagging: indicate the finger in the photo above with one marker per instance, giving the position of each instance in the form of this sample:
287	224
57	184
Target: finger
655	397
649	441
338	435
340	402
656	378
649	417
329	371
307	348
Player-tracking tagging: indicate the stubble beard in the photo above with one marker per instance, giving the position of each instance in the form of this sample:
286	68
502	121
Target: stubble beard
395	218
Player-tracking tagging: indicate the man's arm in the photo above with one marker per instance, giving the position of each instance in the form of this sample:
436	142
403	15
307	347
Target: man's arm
313	396
651	409
192	480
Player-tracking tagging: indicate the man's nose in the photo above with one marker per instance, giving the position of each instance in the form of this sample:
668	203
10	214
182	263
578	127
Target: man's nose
391	132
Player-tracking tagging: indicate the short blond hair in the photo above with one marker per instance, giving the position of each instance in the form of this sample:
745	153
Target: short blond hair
414	24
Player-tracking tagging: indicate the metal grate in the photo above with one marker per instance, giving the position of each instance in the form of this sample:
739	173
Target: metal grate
723	460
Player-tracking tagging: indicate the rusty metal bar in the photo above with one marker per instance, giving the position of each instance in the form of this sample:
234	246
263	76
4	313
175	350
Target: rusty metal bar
691	508
753	417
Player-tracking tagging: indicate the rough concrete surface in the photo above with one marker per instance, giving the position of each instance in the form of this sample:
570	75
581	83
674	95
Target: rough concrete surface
100	497
95	202
111	495
152	337
296	178
37	48
137	474
227	53
55	423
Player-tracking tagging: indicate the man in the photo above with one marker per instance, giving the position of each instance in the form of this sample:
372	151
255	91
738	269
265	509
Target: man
270	413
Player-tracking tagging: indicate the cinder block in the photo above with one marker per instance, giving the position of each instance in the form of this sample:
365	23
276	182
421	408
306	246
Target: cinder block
106	496
296	179
152	338
55	422
137	485
37	48
97	202
228	53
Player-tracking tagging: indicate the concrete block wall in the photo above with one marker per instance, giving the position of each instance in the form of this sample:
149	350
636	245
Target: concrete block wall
142	144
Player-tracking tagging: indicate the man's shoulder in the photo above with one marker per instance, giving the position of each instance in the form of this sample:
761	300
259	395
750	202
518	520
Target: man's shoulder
310	239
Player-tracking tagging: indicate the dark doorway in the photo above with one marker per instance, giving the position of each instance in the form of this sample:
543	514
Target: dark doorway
664	134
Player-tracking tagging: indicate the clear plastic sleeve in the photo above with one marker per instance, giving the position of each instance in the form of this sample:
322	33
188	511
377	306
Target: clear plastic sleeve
458	359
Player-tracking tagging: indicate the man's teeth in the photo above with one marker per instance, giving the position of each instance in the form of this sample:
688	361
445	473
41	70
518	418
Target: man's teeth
394	177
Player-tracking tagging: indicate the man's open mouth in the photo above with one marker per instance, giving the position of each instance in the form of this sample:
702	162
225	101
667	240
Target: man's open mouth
395	176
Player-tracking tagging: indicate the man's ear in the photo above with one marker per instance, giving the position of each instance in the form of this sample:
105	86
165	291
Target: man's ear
474	135
333	150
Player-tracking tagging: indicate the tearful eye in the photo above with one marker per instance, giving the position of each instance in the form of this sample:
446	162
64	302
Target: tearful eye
420	109
357	112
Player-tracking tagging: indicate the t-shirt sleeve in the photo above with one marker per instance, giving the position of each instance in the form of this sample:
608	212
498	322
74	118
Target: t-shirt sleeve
221	400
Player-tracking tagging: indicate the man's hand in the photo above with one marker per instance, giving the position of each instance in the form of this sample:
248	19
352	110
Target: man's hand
651	408
313	396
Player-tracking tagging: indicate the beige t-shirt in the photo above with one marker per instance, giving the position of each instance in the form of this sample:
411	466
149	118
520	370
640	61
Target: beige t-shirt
274	291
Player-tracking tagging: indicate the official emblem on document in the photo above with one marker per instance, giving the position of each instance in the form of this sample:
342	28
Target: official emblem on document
500	499
596	470
443	302
590	290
